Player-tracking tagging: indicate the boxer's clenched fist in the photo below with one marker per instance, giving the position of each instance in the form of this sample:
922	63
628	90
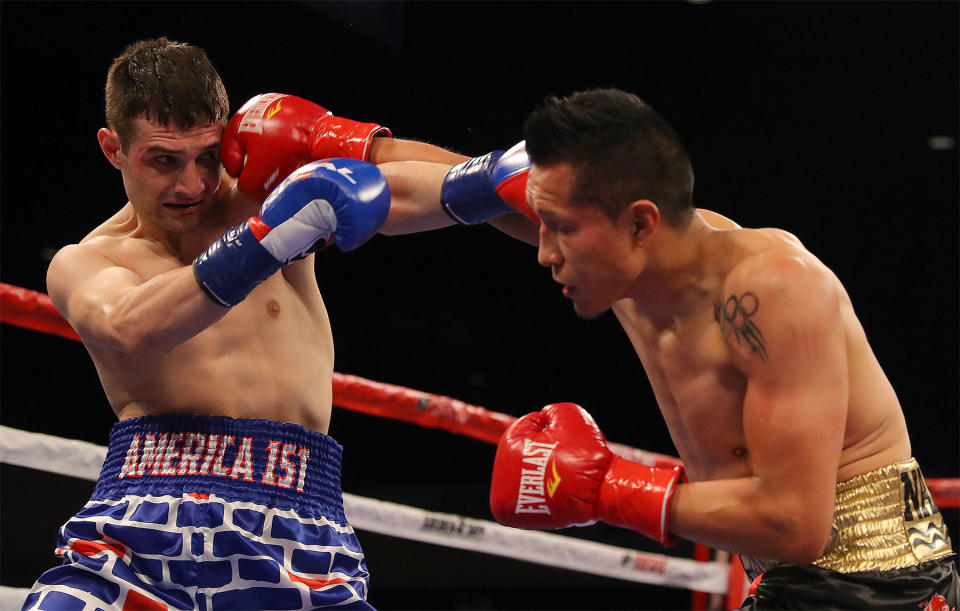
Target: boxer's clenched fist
343	200
488	186
273	134
553	469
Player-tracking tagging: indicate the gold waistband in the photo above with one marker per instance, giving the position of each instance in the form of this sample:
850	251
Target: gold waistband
883	520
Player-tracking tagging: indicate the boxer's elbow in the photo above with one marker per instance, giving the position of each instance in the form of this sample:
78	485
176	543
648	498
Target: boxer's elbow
131	334
110	327
804	546
133	342
800	532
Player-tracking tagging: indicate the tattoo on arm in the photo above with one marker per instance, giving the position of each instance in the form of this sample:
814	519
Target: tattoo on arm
734	317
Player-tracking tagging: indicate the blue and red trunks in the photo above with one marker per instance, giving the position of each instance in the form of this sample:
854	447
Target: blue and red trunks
207	513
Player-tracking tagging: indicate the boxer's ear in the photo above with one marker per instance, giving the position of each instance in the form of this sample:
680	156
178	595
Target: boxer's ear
110	145
644	218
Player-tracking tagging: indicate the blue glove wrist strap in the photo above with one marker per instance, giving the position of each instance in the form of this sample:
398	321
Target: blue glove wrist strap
233	266
468	195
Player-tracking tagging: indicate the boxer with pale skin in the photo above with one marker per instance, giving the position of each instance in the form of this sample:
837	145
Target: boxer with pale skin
160	344
794	445
198	302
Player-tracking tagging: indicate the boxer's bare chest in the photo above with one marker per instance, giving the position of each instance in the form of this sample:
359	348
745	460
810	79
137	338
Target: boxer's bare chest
699	391
270	354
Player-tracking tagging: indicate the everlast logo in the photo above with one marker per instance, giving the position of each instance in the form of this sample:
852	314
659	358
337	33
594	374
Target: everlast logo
202	454
925	528
531	497
252	120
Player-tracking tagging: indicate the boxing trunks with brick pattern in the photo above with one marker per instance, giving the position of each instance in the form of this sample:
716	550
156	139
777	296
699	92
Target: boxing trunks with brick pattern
888	549
207	513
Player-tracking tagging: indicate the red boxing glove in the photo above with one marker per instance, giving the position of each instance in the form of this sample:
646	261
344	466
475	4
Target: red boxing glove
273	134
553	469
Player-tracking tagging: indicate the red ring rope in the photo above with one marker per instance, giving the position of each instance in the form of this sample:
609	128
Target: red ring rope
34	310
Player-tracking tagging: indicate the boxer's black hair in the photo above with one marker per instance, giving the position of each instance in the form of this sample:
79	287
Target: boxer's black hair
621	149
164	81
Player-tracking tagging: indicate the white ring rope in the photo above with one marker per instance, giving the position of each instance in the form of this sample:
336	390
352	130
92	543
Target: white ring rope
44	452
82	459
12	598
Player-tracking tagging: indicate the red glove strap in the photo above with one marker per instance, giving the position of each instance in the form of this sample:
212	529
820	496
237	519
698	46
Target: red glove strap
638	497
334	136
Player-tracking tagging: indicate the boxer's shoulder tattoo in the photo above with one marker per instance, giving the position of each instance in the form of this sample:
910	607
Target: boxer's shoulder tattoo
734	318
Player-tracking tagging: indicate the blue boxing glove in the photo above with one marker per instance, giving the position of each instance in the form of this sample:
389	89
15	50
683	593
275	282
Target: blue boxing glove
486	187
343	199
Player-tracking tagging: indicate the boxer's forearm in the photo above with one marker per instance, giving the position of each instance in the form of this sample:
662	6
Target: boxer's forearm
416	187
745	517
517	226
386	150
415	197
157	315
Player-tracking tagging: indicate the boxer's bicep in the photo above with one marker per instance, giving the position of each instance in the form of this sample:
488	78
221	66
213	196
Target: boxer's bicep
84	285
781	320
113	307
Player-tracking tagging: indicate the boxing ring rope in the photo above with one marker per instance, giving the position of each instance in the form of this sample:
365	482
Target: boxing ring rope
83	459
34	310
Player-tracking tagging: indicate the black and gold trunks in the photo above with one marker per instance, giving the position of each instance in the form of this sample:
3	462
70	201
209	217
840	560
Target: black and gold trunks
888	549
883	520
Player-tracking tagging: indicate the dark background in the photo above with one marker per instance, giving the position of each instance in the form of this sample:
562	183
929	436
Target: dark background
813	117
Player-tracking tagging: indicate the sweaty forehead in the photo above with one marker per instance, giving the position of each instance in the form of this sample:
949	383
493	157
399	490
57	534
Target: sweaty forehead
150	133
553	190
550	186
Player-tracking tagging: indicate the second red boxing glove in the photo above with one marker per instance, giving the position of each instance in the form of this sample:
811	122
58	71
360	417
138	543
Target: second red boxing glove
273	134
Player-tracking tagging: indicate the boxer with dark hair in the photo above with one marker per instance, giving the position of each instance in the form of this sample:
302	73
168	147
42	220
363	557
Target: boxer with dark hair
795	449
198	303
